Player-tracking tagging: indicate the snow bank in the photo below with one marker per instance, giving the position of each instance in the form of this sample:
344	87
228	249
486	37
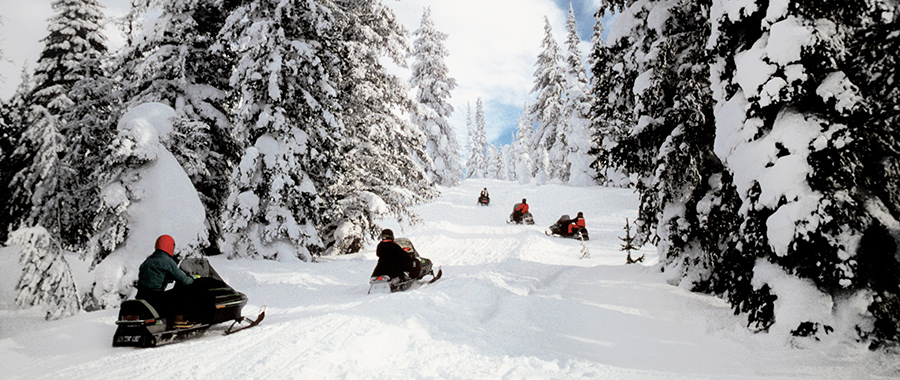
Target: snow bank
162	201
513	304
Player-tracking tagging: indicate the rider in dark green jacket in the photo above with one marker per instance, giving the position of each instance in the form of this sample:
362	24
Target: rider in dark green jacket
159	270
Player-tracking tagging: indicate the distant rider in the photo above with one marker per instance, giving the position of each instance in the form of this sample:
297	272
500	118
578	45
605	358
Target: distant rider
484	193
393	261
577	223
519	210
156	272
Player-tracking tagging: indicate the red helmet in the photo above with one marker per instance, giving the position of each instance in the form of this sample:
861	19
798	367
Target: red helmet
166	244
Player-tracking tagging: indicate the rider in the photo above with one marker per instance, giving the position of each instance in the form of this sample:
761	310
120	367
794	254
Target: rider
156	272
577	223
484	193
393	261
519	210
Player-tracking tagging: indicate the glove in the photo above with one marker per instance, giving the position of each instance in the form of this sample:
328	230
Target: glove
195	276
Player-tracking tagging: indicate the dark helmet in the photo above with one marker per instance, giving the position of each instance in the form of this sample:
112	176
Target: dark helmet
387	234
580	214
166	244
523	200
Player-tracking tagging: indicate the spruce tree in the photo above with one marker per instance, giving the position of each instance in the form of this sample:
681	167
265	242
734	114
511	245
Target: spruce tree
549	85
612	101
576	112
181	62
286	121
384	164
522	149
12	208
46	277
74	40
875	60
477	163
431	80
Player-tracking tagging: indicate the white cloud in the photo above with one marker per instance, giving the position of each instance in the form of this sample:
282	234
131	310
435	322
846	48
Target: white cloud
493	45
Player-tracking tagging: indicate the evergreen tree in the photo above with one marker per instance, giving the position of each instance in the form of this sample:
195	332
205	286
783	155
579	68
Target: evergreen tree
13	116
433	85
74	39
181	62
628	245
384	165
549	85
287	121
874	61
522	149
46	277
612	101
509	161
576	113
477	164
494	162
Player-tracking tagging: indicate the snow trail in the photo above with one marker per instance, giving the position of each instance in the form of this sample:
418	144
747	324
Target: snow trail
513	304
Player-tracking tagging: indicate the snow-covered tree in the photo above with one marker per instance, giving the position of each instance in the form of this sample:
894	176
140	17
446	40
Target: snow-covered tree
753	142
576	112
178	60
612	101
384	160
550	87
74	40
874	59
509	161
13	208
287	121
433	84
46	277
792	126
476	166
494	162
521	150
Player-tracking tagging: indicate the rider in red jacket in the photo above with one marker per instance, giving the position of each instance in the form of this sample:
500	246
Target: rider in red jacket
577	223
520	210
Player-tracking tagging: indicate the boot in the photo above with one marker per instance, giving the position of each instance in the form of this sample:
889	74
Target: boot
180	323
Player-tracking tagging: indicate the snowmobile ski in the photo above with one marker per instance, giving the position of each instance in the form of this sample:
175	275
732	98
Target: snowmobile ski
437	276
384	284
250	322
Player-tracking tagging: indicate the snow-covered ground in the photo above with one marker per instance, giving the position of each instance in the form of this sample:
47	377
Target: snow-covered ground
513	304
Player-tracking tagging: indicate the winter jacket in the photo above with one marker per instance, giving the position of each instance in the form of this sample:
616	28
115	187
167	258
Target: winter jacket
576	224
521	208
392	260
158	270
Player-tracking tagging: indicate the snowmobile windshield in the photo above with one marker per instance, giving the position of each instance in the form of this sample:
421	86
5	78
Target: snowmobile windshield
406	245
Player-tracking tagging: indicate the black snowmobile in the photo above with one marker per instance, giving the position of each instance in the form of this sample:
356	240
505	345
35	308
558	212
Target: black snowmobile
423	268
484	200
140	324
561	228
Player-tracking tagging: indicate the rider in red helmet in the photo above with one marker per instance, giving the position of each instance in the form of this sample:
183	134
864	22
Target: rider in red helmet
157	272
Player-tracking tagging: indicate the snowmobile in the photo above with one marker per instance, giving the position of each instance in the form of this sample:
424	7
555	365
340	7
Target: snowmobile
141	325
423	268
484	200
526	218
561	228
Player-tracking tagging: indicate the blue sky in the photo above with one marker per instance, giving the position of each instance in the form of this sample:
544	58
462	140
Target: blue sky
493	45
